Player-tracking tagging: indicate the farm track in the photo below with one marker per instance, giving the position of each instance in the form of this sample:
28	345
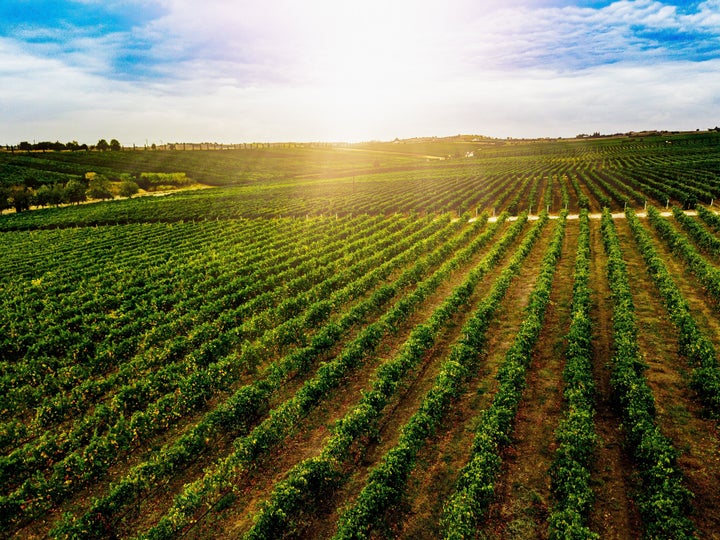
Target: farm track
314	431
523	499
433	480
679	412
614	512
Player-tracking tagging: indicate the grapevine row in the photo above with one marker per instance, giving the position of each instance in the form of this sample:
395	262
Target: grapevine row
386	482
474	488
323	472
249	402
193	390
693	344
664	501
576	438
708	275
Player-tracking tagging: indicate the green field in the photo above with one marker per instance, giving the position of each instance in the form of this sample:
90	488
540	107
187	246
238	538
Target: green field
362	341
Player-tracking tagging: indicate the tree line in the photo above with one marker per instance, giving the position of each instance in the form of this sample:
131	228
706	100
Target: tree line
57	146
75	191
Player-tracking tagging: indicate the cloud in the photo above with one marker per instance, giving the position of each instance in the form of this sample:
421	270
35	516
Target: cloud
233	71
575	37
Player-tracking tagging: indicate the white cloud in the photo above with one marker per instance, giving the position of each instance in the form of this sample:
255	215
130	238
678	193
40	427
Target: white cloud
283	70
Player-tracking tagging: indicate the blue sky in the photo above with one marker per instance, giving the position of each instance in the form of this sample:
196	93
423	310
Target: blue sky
240	70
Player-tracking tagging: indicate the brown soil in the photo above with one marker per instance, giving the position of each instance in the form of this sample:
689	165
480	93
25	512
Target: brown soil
522	501
440	461
399	412
614	515
679	412
313	432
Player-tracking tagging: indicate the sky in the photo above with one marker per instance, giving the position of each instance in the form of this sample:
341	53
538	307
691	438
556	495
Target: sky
229	71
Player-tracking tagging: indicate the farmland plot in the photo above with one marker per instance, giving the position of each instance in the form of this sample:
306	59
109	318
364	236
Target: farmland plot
430	361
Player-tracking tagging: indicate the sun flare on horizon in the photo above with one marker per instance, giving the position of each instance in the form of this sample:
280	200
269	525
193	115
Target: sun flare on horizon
366	63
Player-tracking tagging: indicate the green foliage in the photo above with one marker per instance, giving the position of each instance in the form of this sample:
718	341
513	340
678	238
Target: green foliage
5	194
249	400
20	198
696	347
99	188
197	387
203	316
128	188
386	481
75	191
709	217
702	238
154	180
576	438
50	195
474	489
664	501
360	422
707	273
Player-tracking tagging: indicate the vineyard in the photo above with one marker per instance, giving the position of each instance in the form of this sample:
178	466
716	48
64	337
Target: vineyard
517	344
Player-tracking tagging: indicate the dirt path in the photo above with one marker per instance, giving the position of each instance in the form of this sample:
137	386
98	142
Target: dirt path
523	496
614	514
400	412
313	431
448	451
409	154
702	307
679	413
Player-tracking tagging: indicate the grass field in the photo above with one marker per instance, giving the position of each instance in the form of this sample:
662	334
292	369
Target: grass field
515	341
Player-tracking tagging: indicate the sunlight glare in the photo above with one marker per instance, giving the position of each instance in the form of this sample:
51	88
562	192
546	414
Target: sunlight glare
371	56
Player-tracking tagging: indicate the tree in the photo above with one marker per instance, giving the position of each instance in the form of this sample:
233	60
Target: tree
128	188
56	195
21	198
4	198
99	188
43	195
115	145
75	191
102	145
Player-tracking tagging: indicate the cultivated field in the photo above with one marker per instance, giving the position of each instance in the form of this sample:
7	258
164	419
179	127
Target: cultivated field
520	343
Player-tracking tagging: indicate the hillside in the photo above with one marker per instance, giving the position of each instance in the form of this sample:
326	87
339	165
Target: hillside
515	341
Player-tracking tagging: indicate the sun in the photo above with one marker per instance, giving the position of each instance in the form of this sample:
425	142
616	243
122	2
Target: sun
370	58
